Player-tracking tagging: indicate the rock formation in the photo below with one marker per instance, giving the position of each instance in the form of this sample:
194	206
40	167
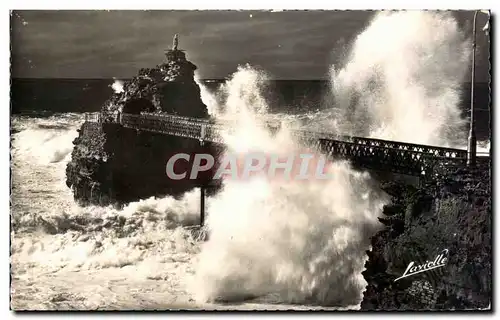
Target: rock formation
112	164
454	213
169	87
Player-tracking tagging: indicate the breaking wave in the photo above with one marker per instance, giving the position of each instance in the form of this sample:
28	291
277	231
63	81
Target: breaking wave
293	241
407	86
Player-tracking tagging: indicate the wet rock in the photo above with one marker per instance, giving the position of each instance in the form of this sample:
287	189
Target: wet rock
107	224
459	220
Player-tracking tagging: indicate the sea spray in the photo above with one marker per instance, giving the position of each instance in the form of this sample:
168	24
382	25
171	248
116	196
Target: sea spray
402	80
45	140
46	146
300	242
117	86
207	97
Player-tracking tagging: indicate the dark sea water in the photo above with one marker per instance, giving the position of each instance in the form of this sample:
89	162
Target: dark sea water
87	95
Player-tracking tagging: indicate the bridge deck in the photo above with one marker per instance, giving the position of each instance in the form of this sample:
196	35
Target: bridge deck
399	157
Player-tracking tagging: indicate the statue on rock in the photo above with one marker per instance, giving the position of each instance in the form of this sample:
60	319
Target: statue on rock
174	53
168	87
176	42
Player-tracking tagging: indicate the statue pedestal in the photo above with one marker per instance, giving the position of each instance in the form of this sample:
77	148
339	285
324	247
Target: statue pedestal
175	55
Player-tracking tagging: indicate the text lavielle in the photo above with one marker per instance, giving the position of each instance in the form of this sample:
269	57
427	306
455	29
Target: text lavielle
438	262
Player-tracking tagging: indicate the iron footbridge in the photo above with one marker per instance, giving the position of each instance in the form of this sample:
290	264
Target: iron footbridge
377	154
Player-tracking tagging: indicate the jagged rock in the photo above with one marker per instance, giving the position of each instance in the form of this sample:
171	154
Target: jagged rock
169	87
459	221
114	165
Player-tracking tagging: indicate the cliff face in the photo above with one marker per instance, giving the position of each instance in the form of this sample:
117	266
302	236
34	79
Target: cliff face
112	164
88	174
453	213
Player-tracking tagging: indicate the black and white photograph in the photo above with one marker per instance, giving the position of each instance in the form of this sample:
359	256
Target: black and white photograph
256	160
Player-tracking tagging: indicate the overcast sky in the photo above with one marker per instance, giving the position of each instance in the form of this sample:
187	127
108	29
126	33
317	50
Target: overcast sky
106	44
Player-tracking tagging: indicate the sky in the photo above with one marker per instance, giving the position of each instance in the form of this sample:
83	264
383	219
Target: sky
289	45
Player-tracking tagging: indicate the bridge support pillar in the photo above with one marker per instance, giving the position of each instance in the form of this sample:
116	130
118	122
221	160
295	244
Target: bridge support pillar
202	188
202	206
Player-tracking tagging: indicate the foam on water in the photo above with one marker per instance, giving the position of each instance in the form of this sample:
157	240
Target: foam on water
103	237
51	232
44	145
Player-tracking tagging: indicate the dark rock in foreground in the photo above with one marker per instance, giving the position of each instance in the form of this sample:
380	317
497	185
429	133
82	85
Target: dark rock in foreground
115	165
453	213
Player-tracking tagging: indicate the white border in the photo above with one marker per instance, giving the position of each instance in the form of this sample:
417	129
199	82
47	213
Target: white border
256	5
192	4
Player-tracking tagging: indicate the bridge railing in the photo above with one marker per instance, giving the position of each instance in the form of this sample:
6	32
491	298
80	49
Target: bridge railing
402	160
437	152
213	126
165	125
366	151
192	127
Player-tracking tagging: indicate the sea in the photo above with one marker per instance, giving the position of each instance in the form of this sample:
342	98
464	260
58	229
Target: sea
272	244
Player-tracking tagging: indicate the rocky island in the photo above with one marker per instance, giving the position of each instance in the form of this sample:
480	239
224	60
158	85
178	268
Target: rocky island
111	164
